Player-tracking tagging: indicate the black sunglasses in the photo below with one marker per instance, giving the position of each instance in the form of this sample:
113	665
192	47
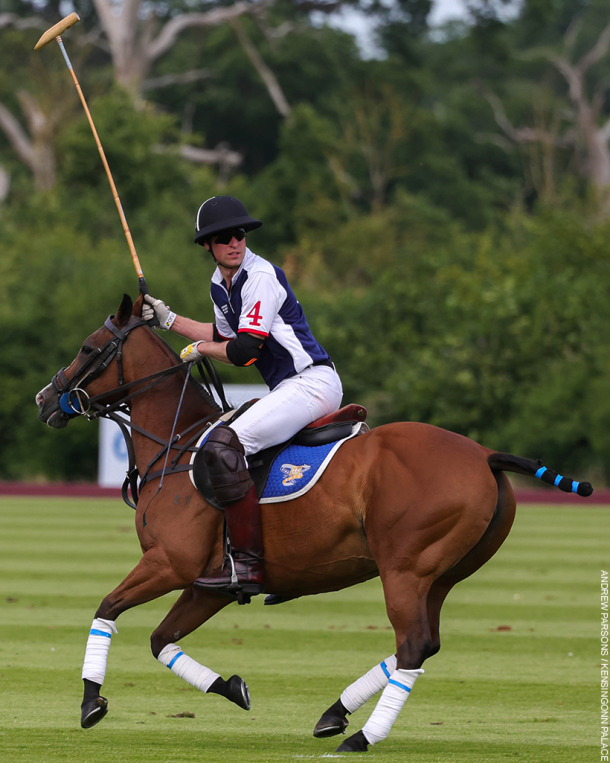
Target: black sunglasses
226	236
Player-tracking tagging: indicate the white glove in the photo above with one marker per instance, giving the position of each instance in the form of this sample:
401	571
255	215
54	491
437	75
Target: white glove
159	314
190	352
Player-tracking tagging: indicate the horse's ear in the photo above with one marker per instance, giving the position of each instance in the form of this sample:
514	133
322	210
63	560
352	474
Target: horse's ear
123	314
137	306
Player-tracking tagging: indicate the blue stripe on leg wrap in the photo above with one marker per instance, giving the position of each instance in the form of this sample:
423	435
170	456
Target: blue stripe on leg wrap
180	654
95	632
400	686
384	667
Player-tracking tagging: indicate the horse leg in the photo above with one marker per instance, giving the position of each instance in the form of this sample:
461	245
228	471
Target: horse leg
423	641
334	720
152	577
406	601
192	609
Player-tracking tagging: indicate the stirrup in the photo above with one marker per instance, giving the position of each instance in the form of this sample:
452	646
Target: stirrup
235	587
242	592
234	580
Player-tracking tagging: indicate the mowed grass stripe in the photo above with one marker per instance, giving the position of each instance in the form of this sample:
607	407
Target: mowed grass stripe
517	677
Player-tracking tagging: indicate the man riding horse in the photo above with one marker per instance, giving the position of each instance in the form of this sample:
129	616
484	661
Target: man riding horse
259	321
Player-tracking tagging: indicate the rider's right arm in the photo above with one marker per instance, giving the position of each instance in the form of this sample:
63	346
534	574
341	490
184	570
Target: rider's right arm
191	329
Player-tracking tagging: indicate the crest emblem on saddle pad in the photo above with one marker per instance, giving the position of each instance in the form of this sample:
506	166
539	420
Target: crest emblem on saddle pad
293	473
296	468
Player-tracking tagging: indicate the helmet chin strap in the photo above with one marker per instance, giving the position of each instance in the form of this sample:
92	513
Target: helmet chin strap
214	256
211	251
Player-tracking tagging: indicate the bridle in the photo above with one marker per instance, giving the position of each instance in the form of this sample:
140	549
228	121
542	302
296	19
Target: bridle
74	400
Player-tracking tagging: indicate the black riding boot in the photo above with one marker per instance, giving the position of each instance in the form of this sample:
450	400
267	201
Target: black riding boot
242	572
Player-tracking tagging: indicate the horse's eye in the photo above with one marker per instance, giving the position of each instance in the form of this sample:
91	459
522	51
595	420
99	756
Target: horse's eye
86	350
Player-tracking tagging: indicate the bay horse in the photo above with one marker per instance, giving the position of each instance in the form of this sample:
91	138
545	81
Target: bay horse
419	506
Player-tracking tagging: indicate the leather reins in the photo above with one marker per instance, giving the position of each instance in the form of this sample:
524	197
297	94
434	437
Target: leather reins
75	401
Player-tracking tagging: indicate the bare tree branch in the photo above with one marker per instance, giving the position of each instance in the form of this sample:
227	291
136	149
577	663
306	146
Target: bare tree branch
273	86
589	110
11	19
16	135
516	134
36	149
604	130
597	52
219	155
571	35
137	40
590	130
222	156
172	28
5	183
180	78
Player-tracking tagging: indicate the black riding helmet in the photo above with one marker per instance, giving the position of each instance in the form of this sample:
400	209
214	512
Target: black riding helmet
221	213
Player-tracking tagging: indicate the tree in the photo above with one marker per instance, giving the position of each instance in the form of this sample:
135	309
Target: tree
33	108
575	120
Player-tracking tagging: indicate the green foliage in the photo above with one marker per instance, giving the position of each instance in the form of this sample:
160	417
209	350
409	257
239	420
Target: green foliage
456	276
130	141
496	335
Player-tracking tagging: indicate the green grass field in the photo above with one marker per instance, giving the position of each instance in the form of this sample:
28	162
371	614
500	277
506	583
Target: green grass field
517	678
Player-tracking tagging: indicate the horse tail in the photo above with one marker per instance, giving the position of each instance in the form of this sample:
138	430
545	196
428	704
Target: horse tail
508	463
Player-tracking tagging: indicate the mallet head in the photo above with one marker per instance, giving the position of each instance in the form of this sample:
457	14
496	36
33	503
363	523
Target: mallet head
57	30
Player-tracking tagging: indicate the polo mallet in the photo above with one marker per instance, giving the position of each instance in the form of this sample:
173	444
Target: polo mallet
54	34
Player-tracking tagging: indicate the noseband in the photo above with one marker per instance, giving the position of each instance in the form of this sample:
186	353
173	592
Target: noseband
73	399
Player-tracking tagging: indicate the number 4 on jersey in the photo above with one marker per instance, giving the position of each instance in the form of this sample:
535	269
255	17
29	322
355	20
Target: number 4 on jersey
255	315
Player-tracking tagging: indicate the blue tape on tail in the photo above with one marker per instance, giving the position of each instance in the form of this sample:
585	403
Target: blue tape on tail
540	472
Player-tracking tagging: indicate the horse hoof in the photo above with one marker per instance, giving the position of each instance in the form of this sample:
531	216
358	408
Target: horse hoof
355	743
330	725
238	692
93	712
333	721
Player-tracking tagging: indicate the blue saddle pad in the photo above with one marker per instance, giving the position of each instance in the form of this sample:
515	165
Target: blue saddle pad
297	469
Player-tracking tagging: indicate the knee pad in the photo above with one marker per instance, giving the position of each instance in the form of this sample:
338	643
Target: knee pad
224	458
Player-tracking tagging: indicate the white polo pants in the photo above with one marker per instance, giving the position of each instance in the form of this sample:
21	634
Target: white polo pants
292	405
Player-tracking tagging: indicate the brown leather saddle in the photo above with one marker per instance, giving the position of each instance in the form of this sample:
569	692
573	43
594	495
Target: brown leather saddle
330	428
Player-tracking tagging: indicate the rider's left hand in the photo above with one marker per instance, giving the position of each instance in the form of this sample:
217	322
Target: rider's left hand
190	352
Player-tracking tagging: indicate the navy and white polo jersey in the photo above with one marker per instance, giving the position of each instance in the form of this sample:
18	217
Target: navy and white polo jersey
261	302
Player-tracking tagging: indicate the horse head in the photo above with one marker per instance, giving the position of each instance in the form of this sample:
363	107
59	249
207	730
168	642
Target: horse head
92	371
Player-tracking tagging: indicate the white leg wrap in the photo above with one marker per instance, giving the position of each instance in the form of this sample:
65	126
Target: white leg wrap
98	646
186	667
390	704
368	685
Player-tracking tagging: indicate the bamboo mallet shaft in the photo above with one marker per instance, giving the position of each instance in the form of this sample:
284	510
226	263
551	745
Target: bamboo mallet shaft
54	33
